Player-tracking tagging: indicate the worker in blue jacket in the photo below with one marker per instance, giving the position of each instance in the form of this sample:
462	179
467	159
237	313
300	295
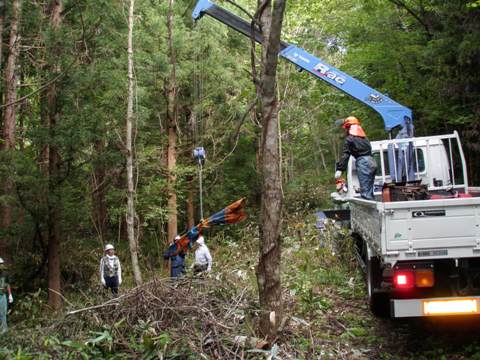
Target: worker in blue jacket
177	262
357	145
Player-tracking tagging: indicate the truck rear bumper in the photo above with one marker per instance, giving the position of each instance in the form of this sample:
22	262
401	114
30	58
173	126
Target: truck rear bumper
468	305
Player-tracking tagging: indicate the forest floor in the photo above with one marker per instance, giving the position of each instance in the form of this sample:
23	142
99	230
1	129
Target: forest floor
212	317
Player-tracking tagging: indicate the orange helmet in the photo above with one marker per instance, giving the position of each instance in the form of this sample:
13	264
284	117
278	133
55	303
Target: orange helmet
352	125
349	121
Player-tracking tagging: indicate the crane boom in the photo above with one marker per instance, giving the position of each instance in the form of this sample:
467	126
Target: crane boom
392	113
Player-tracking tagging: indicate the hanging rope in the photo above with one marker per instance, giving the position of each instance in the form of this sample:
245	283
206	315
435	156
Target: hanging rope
198	69
197	118
195	95
200	93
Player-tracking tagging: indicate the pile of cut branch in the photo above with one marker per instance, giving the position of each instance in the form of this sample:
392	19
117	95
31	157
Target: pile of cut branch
206	317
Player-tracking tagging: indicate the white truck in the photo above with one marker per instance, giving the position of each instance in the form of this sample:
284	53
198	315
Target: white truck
421	256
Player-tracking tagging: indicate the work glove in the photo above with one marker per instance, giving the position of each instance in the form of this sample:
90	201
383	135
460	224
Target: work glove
338	173
10	298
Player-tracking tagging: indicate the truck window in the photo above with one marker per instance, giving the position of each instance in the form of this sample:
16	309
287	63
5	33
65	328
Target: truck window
416	155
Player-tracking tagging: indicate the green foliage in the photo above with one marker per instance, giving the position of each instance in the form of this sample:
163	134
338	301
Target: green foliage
321	266
428	62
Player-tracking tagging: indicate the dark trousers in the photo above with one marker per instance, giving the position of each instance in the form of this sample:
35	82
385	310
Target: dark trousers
197	268
111	282
177	271
366	167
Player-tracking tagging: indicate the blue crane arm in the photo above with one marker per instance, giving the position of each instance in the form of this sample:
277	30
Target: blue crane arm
392	113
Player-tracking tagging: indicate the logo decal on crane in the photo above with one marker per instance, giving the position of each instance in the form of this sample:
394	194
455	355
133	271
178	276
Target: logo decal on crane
324	70
375	99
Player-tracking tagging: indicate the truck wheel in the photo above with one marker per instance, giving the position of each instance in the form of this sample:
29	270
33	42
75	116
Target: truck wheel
379	301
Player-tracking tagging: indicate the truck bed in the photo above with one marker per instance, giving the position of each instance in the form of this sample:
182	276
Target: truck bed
416	230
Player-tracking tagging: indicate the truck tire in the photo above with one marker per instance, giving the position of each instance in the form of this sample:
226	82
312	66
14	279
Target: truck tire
379	302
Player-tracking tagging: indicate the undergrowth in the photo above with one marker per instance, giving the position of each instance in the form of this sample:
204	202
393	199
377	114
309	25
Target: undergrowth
326	313
318	269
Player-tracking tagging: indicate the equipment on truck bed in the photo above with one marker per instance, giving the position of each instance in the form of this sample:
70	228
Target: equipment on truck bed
407	192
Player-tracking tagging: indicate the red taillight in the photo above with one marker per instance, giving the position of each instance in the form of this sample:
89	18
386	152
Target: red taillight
401	279
404	279
407	279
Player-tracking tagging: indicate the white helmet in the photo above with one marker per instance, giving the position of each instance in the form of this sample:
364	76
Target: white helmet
178	237
201	240
109	247
1	261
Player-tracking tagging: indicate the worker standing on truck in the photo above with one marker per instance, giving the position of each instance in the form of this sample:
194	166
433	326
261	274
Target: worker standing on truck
357	145
4	291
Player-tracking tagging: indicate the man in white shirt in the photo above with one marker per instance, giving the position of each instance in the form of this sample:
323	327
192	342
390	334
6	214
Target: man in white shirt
203	259
110	270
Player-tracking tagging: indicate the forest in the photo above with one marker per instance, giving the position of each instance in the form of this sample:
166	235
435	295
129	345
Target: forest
102	105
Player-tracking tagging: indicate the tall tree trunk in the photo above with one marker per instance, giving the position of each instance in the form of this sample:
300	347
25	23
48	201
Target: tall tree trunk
53	117
99	213
172	131
9	120
23	105
11	80
322	158
268	269
53	222
3	9
132	241
321	154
